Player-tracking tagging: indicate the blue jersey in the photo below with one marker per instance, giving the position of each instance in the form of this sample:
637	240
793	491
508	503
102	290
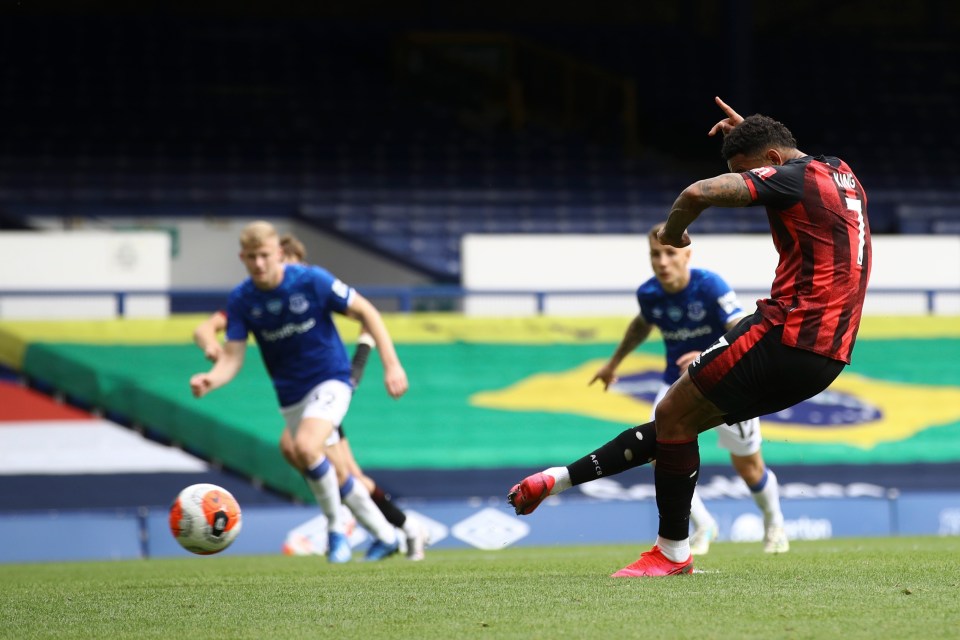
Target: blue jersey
293	327
689	320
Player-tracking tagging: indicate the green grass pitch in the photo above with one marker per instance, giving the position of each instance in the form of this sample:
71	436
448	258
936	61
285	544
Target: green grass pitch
844	588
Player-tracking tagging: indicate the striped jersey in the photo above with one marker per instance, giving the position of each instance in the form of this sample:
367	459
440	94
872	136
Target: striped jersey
292	325
817	210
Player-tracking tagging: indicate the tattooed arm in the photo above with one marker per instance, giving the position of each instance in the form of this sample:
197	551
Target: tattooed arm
727	190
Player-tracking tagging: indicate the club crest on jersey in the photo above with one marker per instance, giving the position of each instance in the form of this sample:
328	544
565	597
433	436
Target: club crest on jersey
275	306
695	311
299	303
763	172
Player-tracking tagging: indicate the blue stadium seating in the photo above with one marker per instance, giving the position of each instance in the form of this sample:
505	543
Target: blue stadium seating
280	117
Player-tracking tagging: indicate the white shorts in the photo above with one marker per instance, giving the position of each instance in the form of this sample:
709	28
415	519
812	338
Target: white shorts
740	439
328	401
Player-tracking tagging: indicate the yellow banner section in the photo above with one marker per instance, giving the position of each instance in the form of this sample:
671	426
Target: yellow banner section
904	409
414	328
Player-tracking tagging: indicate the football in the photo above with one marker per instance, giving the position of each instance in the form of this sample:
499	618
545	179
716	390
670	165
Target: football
205	519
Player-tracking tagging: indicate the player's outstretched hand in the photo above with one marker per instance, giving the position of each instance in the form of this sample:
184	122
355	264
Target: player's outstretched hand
200	384
606	375
724	126
395	380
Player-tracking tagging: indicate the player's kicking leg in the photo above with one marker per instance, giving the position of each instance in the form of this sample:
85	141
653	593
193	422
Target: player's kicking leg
634	447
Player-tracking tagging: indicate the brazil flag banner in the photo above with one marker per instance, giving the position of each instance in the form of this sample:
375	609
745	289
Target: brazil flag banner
496	393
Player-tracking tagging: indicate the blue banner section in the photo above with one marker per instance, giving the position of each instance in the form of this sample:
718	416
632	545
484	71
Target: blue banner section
49	537
119	490
805	480
484	524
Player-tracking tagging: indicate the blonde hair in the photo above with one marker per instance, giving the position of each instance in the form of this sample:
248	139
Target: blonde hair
293	248
256	234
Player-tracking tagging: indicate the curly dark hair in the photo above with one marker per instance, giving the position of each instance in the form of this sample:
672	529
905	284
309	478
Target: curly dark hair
754	134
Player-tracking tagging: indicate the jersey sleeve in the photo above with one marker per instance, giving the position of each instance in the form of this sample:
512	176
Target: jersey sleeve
777	186
335	293
236	325
725	298
643	299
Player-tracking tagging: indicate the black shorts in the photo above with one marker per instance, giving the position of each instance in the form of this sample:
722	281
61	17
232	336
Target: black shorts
749	372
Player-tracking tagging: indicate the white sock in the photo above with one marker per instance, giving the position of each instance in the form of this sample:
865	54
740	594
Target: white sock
322	480
358	500
410	526
768	499
698	513
562	478
675	550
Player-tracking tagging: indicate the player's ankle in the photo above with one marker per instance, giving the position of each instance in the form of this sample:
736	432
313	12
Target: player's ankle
674	550
561	477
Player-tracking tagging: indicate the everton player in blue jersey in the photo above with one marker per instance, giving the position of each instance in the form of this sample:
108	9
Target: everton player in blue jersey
693	308
288	309
340	454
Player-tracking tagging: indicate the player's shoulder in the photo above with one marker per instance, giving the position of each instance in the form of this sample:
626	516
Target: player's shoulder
650	289
819	163
243	290
698	274
708	283
310	272
793	168
701	276
835	167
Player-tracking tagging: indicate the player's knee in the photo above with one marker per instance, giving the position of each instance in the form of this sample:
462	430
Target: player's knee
750	468
669	423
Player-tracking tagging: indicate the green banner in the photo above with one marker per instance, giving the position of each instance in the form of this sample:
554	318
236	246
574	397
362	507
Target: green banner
492	405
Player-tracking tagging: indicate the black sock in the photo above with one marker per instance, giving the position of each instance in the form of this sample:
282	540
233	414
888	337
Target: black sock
632	448
393	515
675	476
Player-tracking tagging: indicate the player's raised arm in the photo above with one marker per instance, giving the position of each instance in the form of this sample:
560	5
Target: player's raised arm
727	190
724	126
394	377
225	369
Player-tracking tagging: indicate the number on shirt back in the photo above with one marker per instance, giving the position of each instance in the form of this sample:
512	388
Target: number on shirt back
855	205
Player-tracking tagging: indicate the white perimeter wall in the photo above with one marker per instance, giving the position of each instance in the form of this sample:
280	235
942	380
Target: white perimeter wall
206	258
83	261
207	250
618	264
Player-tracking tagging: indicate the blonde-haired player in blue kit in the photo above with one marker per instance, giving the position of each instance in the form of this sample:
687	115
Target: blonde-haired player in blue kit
692	308
340	454
288	309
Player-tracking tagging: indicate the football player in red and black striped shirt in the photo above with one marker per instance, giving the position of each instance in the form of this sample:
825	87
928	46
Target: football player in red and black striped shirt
790	349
